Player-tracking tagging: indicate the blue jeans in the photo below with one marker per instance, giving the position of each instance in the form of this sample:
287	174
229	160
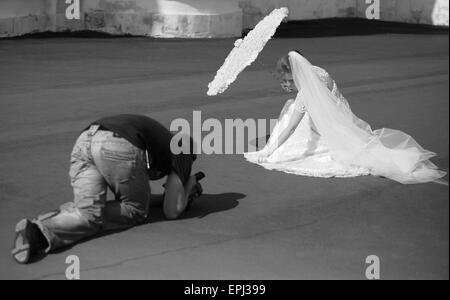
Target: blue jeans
100	160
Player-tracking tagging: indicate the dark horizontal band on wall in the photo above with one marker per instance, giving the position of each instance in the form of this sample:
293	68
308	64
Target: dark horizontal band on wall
352	26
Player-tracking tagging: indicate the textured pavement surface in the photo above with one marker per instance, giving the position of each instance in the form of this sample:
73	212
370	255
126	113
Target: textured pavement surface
251	223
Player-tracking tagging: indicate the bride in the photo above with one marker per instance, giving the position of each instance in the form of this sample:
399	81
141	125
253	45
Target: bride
318	135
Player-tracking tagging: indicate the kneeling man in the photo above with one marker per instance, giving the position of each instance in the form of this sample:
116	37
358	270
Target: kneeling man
123	153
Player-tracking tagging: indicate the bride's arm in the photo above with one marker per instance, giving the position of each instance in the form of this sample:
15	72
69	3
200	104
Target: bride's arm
295	119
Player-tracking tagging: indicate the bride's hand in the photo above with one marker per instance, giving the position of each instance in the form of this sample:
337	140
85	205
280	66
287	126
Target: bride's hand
263	158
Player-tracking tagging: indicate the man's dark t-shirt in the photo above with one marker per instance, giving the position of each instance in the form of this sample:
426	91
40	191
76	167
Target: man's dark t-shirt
148	134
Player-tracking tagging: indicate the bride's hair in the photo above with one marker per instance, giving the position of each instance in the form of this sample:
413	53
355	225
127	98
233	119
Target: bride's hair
283	64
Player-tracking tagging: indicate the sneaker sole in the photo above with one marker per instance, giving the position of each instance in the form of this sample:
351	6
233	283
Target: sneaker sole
21	251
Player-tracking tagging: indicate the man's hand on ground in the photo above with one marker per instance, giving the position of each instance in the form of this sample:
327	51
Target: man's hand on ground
196	192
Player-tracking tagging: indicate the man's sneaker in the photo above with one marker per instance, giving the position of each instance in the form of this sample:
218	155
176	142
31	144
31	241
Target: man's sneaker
26	241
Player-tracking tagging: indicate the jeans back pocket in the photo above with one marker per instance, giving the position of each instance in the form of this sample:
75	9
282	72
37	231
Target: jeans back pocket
118	154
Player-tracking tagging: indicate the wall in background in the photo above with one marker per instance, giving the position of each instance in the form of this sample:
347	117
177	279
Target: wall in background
197	18
22	16
431	12
255	10
156	18
165	18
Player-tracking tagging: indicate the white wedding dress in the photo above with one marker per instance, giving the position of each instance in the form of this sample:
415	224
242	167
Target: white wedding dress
330	141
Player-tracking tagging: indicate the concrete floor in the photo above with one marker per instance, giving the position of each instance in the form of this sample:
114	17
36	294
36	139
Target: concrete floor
252	223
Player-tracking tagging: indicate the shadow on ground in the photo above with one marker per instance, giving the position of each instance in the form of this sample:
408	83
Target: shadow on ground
204	206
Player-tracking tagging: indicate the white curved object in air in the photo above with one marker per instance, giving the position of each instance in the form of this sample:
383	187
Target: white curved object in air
246	51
